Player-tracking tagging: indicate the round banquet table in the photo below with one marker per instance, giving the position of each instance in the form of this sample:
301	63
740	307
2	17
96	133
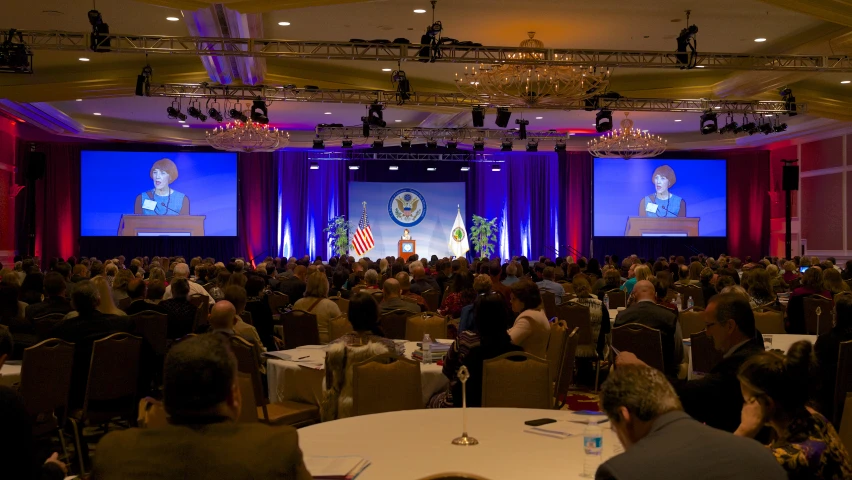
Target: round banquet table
413	444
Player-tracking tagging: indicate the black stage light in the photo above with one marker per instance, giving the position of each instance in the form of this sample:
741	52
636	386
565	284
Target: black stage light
215	114
365	127
506	145
238	115
730	127
750	128
259	112
347	143
686	44
175	112
319	144
532	146
709	122
781	127
378	143
15	57
478	115
403	86
560	146
603	121
765	128
143	82
503	116
196	113
478	145
405	143
789	101
431	143
375	116
522	132
452	144
100	41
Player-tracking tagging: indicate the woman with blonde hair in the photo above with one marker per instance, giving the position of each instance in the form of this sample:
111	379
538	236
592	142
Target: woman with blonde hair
790	272
834	282
315	301
157	274
640	272
107	305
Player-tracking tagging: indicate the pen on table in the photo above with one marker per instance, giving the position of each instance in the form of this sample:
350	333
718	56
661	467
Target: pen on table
302	358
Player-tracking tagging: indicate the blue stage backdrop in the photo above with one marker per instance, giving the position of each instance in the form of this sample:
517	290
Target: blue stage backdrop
621	185
111	181
428	210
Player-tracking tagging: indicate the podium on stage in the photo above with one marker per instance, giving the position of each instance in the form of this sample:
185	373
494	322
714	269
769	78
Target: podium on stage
406	249
661	227
161	225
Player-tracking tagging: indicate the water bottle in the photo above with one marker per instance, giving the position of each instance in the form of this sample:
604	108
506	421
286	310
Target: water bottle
689	303
679	301
606	300
427	348
593	447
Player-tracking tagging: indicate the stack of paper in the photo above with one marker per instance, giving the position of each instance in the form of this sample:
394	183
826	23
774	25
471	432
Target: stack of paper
557	430
336	468
418	355
583	416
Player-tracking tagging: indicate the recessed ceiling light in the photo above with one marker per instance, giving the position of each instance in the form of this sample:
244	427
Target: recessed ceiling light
185	126
387	69
79	99
172	19
397	121
419	10
284	24
393	167
327	113
699	66
465	168
83	59
769	115
846	81
717	108
431	169
677	120
354	167
538	118
760	40
97	114
181	121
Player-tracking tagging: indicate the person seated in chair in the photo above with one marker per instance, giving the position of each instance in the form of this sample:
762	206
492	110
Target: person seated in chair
548	285
54	299
181	312
137	290
393	301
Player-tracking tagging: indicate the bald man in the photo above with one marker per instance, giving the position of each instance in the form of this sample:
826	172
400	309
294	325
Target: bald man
222	317
405	290
646	312
392	299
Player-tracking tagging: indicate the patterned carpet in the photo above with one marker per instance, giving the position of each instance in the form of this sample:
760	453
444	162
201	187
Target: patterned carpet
577	400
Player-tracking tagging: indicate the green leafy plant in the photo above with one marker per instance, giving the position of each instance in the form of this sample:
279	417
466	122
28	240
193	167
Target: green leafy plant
483	235
338	231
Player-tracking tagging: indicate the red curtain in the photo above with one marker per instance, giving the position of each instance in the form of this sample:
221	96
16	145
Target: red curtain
578	201
748	202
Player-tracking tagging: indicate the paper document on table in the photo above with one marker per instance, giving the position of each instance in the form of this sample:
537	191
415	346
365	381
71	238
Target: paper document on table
278	355
333	468
583	416
561	429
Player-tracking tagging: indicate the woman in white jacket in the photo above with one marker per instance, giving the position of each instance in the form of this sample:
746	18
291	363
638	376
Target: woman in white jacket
531	329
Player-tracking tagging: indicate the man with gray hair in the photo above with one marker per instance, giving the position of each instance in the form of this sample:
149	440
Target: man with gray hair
662	442
422	282
371	279
182	271
512	273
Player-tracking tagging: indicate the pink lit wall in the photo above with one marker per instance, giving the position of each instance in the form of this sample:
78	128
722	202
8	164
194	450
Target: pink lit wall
8	152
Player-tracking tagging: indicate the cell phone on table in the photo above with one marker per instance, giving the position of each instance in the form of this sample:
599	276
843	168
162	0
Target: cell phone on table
539	422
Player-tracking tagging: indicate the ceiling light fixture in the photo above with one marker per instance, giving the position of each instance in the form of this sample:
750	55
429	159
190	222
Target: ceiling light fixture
83	59
538	118
397	121
760	40
354	167
185	126
259	112
495	168
314	166
346	143
506	145
603	121
431	169
247	137
465	168
393	167
846	82
79	99
172	19
97	114
678	120
284	24
627	142
319	145
419	10
387	69
709	122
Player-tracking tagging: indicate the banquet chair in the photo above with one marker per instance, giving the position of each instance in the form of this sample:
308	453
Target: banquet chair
641	340
565	375
769	322
548	299
418	325
45	323
111	387
277	300
286	413
124	303
579	316
248	405
704	353
393	324
691	322
386	383
339	326
300	328
202	303
555	344
342	303
818	314
693	291
45	385
617	298
152	326
246	317
843	381
516	380
378	296
433	299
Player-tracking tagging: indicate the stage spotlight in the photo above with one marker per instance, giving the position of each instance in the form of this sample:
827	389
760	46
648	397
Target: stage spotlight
503	116
431	169
393	167
686	44
314	166
560	146
495	167
452	144
100	41
431	143
765	128
215	114
238	115
465	168
478	144
781	127
506	145
319	144
403	87
522	132
750	128
375	116
175	113
143	82
347	143
789	101
354	167
709	122
259	112
196	113
405	143
378	143
532	145
730	127
603	121
478	115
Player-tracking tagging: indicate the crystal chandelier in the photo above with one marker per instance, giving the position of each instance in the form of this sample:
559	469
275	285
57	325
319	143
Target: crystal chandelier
530	85
627	142
247	137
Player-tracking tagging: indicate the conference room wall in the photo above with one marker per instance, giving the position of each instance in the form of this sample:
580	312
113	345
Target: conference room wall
8	149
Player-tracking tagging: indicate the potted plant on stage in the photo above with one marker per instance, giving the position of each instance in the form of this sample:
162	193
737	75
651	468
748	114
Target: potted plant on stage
483	235
338	231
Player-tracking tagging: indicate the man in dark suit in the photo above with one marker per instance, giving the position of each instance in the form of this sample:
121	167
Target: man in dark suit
646	312
422	282
54	299
137	290
202	398
662	442
181	312
294	286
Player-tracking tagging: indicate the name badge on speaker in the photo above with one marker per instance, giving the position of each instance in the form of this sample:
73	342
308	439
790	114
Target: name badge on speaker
148	204
651	207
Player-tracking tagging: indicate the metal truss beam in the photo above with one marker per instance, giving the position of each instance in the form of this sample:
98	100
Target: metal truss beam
388	52
458	134
387	97
462	156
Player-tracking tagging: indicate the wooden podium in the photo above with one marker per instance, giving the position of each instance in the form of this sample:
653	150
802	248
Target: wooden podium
161	225
406	249
661	227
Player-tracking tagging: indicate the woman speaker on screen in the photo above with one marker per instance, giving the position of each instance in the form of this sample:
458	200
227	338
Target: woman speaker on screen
162	199
662	203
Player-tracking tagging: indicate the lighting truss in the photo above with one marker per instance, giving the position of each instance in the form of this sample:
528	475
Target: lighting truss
458	134
291	94
435	157
389	52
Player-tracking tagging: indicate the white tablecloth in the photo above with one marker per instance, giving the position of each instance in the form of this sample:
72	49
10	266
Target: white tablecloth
302	381
771	342
413	444
10	375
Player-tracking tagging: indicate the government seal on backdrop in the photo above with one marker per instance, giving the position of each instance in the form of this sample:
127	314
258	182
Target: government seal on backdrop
407	207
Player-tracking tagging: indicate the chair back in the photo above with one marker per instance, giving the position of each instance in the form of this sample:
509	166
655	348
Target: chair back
338	327
124	303
113	377
641	340
44	324
843	381
568	287
199	299
202	303
208	286
691	322
153	327
247	364
418	325
46	378
378	296
342	303
818	314
565	375
300	328
693	291
769	322
432	298
246	316
578	316
386	383
516	380
617	298
555	345
277	300
393	324
248	407
548	299
704	354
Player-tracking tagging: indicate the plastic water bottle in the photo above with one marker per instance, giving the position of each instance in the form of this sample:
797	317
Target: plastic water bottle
679	301
427	348
689	303
606	300
593	447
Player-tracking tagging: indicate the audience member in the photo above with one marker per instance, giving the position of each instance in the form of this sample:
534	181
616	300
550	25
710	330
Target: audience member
482	286
812	284
531	329
222	316
294	285
392	299
831	279
511	274
827	349
257	305
462	294
316	302
548	285
338	280
598	315
32	288
364	317
422	282
107	305
639	272
405	291
181	311
646	312
54	299
760	289
136	291
181	270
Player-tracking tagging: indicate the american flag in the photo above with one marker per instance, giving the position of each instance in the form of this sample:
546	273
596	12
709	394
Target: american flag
363	238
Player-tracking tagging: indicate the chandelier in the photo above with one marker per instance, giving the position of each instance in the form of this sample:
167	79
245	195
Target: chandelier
247	137
627	142
533	84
